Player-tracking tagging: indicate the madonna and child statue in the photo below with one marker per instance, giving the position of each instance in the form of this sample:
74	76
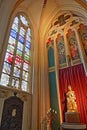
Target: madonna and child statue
71	100
72	115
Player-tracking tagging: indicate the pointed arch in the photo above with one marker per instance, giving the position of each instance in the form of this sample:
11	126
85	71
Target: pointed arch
17	65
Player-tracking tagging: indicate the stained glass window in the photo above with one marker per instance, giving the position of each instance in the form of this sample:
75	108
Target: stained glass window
16	70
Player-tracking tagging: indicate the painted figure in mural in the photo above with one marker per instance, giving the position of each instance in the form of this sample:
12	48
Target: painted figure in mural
74	49
71	100
85	43
61	51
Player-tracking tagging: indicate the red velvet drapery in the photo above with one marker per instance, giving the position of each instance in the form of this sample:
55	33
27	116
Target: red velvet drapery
74	76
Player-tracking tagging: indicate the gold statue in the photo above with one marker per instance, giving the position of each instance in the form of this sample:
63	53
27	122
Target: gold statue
71	100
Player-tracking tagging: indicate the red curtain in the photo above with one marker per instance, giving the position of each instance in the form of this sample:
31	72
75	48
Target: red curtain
74	76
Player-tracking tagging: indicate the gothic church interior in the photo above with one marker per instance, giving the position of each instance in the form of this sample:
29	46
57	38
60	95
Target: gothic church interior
43	50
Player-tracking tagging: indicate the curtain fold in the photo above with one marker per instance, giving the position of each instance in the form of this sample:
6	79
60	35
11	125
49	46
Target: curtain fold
74	76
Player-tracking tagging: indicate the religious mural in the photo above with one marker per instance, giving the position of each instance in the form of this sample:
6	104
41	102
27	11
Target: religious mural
61	49
73	45
83	35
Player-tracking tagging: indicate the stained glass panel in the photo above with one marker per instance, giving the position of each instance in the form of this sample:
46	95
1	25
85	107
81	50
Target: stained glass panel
21	39
16	72
19	53
16	20
7	68
15	27
28	44
26	58
29	32
15	82
25	66
27	52
29	38
25	75
13	33
18	61
24	85
10	48
5	79
20	46
12	41
9	58
23	19
22	31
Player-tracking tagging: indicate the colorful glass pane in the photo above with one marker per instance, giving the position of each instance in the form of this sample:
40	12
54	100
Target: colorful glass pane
4	79
6	68
28	38
25	75
10	48
16	20
20	46
22	31
29	32
18	61
21	39
15	27
28	44
13	33
12	41
27	51
16	72
9	58
19	53
15	82
15	24
24	85
25	66
23	20
26	58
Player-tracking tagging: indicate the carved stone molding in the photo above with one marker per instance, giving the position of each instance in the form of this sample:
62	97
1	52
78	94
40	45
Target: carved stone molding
5	92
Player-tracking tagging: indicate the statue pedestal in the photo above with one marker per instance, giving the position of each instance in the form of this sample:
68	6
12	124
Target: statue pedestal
73	126
72	117
72	122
